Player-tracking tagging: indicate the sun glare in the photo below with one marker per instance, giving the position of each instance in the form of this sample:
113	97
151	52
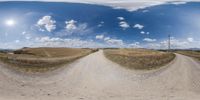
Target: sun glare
10	22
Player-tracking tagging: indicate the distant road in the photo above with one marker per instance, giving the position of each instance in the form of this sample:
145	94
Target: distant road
94	77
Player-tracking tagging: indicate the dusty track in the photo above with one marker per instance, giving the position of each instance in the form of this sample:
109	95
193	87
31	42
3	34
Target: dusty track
96	78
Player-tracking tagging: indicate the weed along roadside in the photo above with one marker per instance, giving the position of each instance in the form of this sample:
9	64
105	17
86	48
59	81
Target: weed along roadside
34	60
139	59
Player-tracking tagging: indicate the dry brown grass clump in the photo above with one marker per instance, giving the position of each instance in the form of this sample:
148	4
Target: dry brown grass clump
139	58
194	54
42	59
50	52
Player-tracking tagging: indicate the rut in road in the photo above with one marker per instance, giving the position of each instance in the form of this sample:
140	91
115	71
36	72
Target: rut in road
95	77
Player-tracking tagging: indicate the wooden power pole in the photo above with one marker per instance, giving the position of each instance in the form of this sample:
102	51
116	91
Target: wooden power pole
169	43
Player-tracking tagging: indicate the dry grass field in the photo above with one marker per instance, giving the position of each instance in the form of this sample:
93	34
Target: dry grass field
33	60
194	54
139	58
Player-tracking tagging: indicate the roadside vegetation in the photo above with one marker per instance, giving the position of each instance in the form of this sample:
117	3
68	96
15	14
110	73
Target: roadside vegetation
33	60
139	59
191	53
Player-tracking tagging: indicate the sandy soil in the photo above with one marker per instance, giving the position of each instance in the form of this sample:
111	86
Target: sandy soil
96	78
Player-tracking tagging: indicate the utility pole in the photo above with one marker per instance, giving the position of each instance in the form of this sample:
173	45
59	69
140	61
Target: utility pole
169	43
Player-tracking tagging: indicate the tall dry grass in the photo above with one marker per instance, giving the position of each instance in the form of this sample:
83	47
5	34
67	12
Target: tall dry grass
140	59
42	59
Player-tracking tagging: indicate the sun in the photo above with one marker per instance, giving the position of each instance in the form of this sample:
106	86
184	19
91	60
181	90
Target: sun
10	22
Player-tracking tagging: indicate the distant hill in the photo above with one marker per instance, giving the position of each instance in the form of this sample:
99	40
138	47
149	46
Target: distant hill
6	50
194	49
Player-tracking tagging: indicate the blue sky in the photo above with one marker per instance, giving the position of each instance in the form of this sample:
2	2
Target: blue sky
50	24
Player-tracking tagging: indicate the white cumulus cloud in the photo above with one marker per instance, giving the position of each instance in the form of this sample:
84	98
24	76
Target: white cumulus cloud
71	25
111	42
190	39
106	38
65	42
142	32
124	25
138	26
120	18
74	27
149	40
175	44
47	23
101	24
100	37
135	45
115	42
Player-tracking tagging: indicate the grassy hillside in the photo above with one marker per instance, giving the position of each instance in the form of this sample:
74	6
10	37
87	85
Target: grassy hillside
50	52
42	59
139	58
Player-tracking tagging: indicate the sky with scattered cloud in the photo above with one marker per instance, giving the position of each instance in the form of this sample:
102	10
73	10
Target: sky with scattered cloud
94	23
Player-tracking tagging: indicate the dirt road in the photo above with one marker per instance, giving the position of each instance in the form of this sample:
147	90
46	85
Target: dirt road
96	78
